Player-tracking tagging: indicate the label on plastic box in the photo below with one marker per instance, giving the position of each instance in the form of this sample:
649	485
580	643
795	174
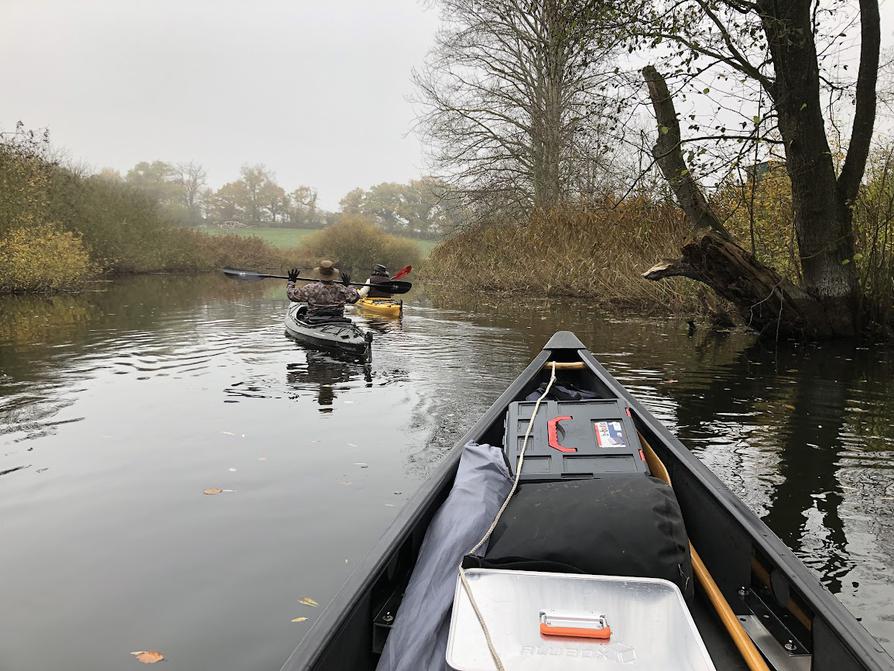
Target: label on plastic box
609	434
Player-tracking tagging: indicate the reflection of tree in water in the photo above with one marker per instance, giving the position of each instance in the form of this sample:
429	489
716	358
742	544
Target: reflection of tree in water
807	490
324	372
811	448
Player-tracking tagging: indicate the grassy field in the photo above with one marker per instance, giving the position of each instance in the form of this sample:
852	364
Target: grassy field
285	238
281	238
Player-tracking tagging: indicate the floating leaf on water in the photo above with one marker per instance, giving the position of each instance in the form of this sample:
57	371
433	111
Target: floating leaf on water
148	656
789	406
308	601
212	491
299	619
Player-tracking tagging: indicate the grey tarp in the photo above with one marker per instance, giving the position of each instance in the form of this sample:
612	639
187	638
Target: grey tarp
418	640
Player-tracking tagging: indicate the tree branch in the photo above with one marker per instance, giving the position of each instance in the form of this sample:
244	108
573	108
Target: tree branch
864	113
669	156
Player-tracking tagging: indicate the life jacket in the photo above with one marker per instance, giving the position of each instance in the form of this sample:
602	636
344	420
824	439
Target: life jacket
378	278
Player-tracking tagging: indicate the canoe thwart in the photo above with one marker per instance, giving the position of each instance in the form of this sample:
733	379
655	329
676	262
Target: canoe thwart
565	365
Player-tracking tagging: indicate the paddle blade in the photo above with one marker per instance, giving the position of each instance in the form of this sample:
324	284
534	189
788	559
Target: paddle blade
403	272
395	287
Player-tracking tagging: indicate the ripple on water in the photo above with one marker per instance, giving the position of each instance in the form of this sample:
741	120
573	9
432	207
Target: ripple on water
152	395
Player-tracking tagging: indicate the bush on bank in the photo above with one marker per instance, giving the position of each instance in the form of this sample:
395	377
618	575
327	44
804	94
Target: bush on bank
59	228
357	243
43	258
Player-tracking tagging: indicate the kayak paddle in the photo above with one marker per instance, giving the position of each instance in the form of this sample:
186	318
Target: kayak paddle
393	287
403	272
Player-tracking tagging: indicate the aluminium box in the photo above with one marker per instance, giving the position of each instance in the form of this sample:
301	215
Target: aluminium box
651	627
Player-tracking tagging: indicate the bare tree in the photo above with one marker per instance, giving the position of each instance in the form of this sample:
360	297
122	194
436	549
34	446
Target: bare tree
512	93
191	177
777	47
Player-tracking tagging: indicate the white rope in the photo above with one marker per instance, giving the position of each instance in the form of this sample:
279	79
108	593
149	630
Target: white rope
518	469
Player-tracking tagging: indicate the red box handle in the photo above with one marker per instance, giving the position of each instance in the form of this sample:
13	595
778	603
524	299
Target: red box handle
552	428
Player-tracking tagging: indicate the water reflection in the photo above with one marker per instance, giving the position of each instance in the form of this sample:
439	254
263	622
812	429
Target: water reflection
123	404
324	373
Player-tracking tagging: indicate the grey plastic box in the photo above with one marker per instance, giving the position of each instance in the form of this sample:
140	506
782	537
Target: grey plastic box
651	627
573	439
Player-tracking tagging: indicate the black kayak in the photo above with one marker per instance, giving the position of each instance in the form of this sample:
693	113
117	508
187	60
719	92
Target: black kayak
333	333
791	619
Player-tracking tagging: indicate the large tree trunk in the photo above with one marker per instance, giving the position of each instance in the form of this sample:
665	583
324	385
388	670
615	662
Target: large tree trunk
765	300
822	212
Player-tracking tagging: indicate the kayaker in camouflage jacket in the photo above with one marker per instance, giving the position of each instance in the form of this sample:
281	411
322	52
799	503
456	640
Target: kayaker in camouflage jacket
324	297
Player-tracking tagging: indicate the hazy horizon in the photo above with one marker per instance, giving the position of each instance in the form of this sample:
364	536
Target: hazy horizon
317	93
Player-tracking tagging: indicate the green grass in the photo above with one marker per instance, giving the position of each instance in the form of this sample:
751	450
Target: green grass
281	238
287	238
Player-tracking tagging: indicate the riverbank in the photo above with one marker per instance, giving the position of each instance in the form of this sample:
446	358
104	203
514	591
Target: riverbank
598	255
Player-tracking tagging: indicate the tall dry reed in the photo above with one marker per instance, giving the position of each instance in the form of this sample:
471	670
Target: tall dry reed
598	253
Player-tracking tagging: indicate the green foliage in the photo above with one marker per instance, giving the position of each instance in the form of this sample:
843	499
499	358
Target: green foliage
255	199
42	258
357	243
422	208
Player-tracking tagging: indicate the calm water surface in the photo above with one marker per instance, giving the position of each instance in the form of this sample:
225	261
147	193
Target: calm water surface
120	406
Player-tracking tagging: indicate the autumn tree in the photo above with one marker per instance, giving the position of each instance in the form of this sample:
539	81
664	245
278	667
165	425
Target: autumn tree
422	208
777	57
508	92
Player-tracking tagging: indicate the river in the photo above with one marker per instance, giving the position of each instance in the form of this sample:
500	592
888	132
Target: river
119	407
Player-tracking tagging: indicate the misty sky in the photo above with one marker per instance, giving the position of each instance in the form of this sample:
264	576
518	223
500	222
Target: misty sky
316	90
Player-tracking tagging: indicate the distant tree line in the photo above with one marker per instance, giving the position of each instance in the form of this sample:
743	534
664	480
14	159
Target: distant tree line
254	199
422	208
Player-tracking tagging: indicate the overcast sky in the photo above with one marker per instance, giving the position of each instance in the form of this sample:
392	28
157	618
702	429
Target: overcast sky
315	90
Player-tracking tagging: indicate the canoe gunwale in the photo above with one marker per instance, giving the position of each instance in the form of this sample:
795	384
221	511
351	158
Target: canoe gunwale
857	649
824	605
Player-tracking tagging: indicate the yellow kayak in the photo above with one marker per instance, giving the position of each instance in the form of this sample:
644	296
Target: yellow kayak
382	306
